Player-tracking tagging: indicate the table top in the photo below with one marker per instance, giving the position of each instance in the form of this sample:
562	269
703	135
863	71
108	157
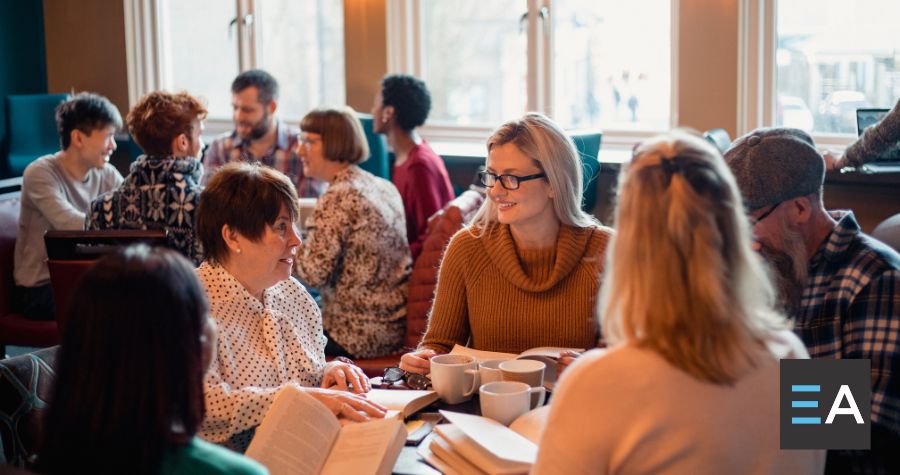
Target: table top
409	462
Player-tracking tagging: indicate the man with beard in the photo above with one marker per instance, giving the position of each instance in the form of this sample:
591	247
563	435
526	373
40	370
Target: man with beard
258	135
841	286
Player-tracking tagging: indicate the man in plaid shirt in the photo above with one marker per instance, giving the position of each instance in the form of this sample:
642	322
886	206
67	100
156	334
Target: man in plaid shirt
258	136
841	286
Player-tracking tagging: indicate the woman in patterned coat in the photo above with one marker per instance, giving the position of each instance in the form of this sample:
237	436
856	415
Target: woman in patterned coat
356	252
270	329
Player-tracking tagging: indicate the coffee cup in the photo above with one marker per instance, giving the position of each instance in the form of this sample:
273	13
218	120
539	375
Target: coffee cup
454	377
530	372
490	371
504	401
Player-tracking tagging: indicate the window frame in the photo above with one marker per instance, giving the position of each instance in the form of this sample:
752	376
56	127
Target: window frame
144	46
757	86
405	54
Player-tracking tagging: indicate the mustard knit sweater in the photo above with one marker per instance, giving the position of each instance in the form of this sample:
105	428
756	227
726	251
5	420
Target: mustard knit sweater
496	297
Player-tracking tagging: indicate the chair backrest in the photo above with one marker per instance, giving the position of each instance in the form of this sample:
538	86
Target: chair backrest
9	226
588	145
719	138
32	128
441	227
888	232
378	163
71	253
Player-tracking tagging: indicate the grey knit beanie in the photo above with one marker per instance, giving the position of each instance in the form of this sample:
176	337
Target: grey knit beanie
774	165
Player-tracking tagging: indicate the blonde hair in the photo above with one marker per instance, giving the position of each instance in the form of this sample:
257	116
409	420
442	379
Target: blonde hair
544	142
343	138
681	277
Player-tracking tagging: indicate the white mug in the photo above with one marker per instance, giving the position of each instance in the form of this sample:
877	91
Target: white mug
450	376
526	371
504	401
490	371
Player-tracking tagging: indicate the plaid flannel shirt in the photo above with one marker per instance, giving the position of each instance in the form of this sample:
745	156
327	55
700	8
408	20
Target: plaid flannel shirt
282	157
851	309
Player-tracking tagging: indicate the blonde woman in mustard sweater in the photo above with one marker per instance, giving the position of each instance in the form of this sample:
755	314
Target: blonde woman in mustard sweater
690	381
526	272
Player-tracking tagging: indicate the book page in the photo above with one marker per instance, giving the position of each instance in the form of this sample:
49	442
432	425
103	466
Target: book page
548	351
366	447
494	436
295	435
481	355
531	424
402	402
445	451
475	454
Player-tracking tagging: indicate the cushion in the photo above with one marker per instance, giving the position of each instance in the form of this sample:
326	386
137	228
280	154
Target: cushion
25	385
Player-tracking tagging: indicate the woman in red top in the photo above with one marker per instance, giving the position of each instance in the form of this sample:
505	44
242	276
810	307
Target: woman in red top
419	173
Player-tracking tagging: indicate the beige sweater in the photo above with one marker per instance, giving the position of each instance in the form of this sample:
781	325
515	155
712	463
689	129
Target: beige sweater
628	411
499	298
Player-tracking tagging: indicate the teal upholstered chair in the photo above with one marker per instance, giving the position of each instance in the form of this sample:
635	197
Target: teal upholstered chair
31	128
378	163
588	145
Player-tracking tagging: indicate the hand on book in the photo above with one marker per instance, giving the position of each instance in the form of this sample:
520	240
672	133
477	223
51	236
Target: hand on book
418	361
345	377
565	359
350	406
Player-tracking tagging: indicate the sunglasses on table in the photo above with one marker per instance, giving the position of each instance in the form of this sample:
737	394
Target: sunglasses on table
394	375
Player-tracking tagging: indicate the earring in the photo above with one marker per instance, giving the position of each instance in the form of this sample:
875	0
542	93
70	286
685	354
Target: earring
238	250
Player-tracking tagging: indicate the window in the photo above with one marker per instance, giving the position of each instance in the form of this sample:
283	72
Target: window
201	45
832	57
584	63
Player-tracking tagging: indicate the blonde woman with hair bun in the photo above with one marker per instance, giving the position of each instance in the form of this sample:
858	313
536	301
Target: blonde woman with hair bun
526	272
689	383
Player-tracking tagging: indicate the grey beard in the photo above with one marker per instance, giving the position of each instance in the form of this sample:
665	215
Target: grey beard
790	271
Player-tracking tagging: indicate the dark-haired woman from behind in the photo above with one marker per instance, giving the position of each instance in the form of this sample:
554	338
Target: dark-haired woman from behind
128	396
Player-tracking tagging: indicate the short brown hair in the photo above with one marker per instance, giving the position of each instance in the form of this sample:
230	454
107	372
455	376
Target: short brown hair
160	116
342	134
245	196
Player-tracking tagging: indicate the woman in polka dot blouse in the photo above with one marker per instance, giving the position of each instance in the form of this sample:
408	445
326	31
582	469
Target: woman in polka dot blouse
270	329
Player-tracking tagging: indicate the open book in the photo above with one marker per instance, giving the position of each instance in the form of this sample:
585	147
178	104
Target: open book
475	445
402	403
547	354
299	435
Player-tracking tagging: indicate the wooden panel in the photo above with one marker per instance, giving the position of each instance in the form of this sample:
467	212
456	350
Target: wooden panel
365	50
86	48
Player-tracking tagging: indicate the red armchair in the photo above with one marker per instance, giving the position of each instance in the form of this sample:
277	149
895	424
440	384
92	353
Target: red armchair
14	328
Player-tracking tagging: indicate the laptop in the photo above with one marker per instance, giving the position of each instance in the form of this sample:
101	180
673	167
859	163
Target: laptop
889	160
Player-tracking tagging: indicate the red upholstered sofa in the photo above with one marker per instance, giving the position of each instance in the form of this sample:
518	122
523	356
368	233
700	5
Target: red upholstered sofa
14	328
441	227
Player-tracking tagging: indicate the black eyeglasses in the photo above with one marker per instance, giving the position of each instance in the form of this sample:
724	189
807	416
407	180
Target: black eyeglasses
755	221
413	380
510	182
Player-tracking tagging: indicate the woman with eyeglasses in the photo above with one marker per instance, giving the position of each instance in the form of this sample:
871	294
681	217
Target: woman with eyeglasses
689	383
356	253
526	272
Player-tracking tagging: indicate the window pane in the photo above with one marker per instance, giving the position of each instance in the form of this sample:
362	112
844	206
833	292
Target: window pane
475	61
200	56
302	44
833	57
612	64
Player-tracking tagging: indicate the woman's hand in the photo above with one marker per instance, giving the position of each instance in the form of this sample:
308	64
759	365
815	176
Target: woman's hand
345	377
832	161
347	405
565	359
418	361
